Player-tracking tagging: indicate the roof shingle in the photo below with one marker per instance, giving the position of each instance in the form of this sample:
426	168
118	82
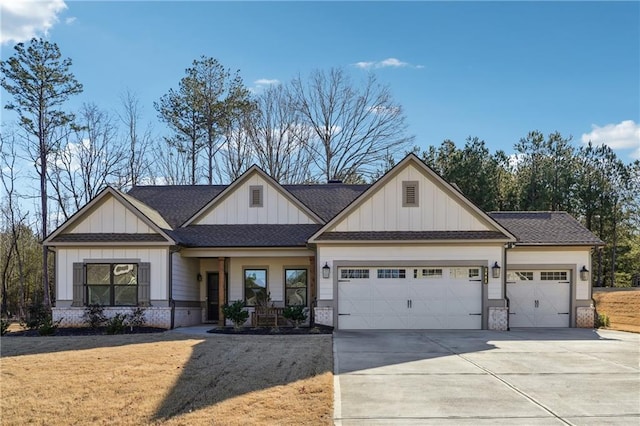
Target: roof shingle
546	228
411	236
245	235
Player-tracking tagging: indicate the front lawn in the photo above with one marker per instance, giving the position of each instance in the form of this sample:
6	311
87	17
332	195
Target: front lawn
166	378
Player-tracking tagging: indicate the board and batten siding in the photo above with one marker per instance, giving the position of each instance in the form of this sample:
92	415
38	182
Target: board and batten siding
488	254
234	209
67	256
436	211
185	283
549	257
111	216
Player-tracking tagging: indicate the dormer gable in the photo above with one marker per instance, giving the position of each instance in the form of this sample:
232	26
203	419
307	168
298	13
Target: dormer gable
115	214
412	198
254	198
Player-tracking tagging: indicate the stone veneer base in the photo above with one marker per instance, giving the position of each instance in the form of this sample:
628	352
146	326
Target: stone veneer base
155	316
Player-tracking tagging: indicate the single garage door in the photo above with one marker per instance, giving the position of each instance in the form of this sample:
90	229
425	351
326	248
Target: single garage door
539	298
410	298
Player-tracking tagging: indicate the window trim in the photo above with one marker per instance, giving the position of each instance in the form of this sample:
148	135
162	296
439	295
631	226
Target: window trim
306	287
256	189
244	282
112	286
406	185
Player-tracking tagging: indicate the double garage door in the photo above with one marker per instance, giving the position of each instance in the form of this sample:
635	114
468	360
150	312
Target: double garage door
410	298
539	298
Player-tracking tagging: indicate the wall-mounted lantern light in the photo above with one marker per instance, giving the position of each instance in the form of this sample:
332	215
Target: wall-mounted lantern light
326	270
495	270
584	273
199	277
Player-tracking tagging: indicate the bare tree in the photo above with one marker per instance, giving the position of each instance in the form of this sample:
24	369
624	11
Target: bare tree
91	158
15	223
279	136
171	165
236	149
40	82
354	127
138	142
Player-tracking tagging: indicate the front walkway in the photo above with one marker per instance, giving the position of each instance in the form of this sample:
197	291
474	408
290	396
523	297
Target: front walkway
534	377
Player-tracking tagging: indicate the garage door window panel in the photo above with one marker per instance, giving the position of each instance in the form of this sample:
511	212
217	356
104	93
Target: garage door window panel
428	273
515	276
392	273
553	276
354	274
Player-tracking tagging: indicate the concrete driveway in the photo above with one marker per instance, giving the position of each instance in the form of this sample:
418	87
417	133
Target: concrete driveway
530	377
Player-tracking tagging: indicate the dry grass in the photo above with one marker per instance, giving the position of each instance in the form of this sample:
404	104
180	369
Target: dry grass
166	378
622	308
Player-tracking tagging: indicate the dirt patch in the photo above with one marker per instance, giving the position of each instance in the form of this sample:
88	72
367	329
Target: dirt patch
622	308
167	378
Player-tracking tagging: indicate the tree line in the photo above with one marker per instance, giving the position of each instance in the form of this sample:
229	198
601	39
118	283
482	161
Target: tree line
314	129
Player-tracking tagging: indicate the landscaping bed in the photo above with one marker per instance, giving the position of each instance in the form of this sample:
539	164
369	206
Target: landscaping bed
318	329
80	331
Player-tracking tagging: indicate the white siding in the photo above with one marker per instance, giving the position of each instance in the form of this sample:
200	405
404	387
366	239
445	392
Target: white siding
185	283
488	254
111	216
234	209
67	256
556	256
437	210
275	277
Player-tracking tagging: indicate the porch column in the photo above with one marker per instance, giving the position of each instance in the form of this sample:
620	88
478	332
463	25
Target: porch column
221	288
312	280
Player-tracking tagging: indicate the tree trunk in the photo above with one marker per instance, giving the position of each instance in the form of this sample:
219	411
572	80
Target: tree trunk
46	301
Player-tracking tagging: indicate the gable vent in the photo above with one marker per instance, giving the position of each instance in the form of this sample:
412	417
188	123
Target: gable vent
410	194
255	196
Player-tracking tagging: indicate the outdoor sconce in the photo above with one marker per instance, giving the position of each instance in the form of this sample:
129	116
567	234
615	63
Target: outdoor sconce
199	277
584	273
326	270
495	270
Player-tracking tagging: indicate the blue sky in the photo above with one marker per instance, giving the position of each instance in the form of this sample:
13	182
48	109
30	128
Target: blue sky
495	70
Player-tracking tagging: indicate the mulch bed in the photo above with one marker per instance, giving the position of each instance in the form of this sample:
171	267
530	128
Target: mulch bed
84	331
317	329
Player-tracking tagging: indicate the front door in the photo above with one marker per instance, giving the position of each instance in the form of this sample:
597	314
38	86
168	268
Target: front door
213	302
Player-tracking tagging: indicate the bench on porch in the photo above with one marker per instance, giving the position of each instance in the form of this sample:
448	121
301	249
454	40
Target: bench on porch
264	316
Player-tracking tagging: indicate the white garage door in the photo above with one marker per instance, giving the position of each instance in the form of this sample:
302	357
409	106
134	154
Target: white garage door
538	298
410	298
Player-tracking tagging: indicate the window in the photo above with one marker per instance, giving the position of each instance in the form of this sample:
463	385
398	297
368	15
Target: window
255	286
513	276
553	276
427	273
295	286
410	193
255	196
391	273
354	273
112	284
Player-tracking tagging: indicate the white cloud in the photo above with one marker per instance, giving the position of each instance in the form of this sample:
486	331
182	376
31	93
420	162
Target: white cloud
386	63
266	82
623	135
24	19
70	20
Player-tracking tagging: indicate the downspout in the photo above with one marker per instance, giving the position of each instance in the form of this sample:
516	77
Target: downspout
172	302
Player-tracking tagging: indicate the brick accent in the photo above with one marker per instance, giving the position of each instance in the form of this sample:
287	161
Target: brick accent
498	318
155	316
324	316
185	317
585	317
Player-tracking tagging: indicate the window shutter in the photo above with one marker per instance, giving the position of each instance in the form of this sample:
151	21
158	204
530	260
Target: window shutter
144	284
78	284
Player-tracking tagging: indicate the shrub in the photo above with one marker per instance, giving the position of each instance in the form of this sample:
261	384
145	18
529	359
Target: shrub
37	315
49	327
602	320
296	314
94	315
116	324
4	326
236	313
136	318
